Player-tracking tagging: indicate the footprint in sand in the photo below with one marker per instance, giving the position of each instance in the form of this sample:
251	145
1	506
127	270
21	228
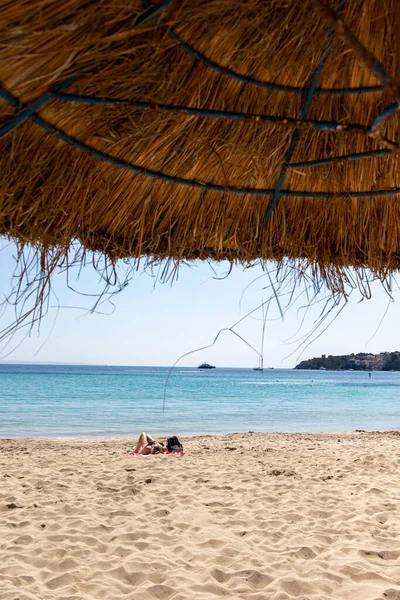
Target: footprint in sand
391	594
383	555
305	553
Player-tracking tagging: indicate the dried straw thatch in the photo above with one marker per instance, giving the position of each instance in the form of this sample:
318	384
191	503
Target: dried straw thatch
117	129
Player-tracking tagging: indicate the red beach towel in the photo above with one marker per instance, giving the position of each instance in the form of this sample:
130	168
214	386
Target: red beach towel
169	453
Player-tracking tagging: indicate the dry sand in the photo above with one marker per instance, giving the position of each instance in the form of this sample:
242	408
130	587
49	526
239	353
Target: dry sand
250	516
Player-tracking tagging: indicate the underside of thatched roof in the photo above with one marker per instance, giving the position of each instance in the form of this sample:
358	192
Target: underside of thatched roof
183	129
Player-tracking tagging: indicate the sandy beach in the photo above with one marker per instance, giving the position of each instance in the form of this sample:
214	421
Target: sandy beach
250	516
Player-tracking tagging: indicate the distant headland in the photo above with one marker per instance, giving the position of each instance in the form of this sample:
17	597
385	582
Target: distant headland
384	361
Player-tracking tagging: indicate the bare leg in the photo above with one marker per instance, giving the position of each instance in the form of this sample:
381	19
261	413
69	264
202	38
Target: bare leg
142	441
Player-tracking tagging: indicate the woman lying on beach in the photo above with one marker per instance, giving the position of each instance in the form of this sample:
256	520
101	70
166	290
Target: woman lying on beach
148	445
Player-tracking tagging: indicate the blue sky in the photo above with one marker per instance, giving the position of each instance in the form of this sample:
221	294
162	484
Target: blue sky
154	323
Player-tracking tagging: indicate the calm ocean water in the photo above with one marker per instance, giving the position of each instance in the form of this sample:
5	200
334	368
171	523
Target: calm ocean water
82	401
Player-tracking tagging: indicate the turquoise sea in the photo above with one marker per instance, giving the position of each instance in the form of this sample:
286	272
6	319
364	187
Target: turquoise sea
83	401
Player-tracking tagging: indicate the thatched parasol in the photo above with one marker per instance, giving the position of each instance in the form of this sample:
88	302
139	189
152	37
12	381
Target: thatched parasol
185	129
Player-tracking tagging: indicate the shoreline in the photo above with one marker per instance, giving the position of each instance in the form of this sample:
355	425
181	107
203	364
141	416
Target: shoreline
134	436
